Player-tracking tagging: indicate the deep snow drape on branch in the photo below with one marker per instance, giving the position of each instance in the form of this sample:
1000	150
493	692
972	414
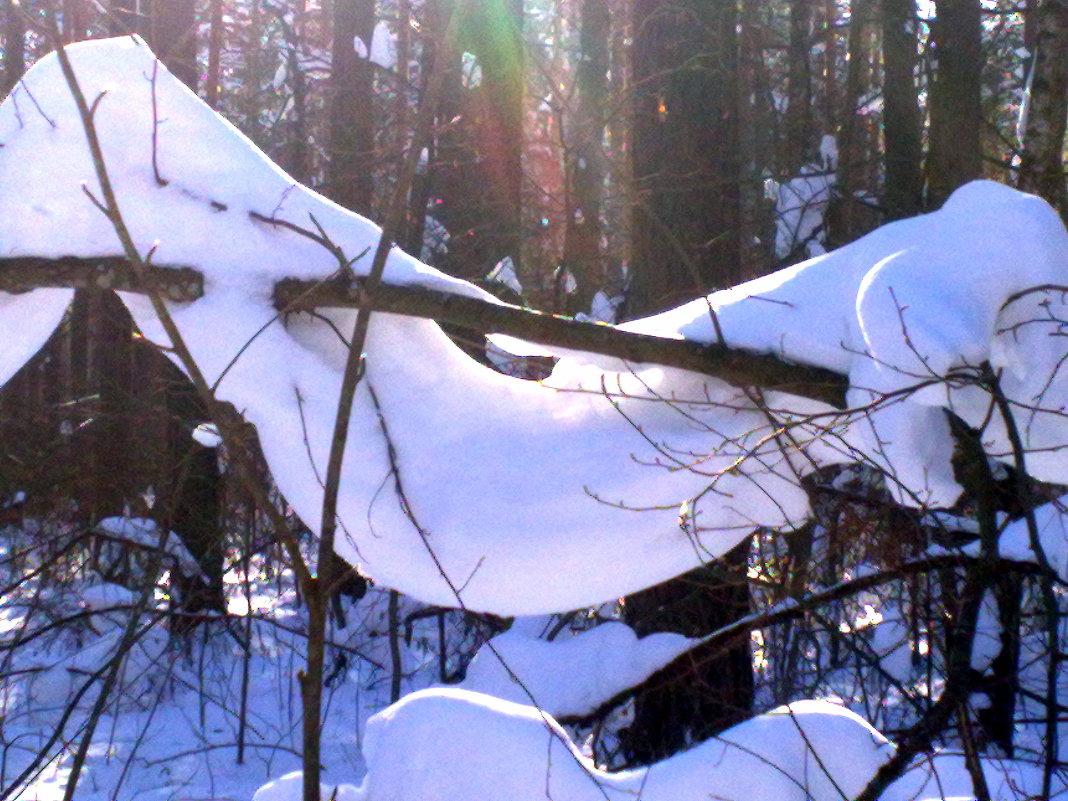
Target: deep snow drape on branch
518	488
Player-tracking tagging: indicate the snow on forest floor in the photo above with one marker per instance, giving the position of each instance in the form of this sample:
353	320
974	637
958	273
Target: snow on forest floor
172	728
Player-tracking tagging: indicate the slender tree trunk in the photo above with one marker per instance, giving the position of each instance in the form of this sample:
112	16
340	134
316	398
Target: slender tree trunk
846	212
1042	162
955	155
351	176
298	155
583	255
903	150
757	154
799	133
422	183
215	44
830	102
252	79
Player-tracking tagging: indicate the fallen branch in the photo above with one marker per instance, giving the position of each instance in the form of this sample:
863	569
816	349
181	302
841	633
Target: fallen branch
738	368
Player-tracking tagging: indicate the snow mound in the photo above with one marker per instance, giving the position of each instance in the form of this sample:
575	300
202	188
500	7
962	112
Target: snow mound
809	751
463	486
570	676
501	477
903	308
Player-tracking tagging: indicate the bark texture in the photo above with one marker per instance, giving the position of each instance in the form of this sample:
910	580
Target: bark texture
955	155
1042	162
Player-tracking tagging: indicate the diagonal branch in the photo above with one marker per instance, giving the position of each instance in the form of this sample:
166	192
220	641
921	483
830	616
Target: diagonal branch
736	367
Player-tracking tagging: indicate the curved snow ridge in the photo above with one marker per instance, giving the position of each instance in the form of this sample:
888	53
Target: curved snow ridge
907	306
572	675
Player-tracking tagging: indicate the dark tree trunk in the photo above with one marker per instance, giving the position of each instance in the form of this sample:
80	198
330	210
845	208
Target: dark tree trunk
685	151
14	47
190	502
125	18
955	155
351	178
757	133
583	255
1042	162
903	150
799	133
422	181
848	217
172	34
75	20
298	154
686	167
495	39
110	371
699	700
215	43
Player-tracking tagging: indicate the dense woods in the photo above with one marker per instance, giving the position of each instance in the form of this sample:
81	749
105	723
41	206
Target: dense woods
604	160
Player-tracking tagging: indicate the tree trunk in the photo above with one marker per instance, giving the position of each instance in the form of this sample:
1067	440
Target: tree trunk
14	47
75	20
687	171
700	699
190	490
799	133
955	155
685	151
496	42
903	154
1042	162
215	43
351	178
172	34
583	255
757	134
476	174
297	153
124	18
848	216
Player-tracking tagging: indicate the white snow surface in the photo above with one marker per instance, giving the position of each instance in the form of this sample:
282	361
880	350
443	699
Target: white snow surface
905	306
499	472
1052	528
511	751
807	751
569	676
451	744
524	493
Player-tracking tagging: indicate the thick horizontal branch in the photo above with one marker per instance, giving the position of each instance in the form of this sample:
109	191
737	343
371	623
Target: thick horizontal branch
26	273
735	367
182	284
